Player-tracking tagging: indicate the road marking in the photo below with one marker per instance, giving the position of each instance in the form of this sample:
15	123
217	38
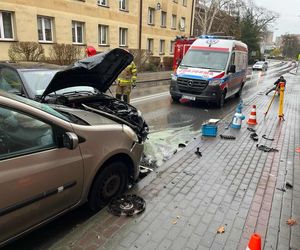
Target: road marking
149	97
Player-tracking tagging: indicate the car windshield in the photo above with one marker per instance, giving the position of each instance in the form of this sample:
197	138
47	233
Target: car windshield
44	107
259	63
205	59
37	81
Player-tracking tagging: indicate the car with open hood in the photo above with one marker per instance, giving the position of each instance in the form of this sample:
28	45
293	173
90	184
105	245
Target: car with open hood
81	85
83	147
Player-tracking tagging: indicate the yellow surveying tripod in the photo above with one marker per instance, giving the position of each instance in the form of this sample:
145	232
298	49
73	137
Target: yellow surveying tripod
279	87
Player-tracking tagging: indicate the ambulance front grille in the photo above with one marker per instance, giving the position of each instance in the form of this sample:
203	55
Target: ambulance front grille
191	85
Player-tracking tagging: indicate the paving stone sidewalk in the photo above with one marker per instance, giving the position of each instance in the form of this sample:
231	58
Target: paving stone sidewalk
234	185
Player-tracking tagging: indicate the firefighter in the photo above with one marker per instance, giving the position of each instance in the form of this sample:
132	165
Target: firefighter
276	84
125	82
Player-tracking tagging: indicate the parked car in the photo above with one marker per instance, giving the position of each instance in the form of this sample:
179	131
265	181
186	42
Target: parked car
260	65
56	157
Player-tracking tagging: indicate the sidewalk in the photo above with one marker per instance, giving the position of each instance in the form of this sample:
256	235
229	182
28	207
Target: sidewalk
234	185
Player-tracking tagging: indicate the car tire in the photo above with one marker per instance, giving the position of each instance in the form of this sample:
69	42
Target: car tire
111	182
175	98
221	101
239	93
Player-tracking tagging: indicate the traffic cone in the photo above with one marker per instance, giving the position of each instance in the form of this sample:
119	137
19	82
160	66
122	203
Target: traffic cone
252	117
254	243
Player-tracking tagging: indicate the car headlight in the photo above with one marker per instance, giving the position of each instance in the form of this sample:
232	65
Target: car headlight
215	82
131	134
174	77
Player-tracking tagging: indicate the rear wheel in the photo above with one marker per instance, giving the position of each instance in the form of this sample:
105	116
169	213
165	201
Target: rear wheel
109	183
239	93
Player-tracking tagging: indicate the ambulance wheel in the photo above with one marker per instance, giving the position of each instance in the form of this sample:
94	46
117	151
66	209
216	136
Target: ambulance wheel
175	98
221	101
239	93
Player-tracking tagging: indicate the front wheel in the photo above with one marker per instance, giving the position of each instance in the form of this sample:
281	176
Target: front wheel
239	93
221	101
110	182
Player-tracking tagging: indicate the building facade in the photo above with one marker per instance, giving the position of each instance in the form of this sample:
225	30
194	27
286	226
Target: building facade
105	24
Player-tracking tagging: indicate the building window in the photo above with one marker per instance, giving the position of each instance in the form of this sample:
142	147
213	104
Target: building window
172	46
150	45
102	2
173	22
77	32
103	34
45	29
161	47
123	34
163	19
6	26
123	5
182	24
151	13
184	3
175	1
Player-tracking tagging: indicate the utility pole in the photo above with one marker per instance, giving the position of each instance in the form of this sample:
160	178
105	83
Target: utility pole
140	35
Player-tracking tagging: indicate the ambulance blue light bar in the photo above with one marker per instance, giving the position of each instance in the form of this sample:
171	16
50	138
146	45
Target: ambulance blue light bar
216	37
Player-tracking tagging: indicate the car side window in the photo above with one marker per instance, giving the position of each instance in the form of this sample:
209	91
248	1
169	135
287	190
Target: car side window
23	134
10	81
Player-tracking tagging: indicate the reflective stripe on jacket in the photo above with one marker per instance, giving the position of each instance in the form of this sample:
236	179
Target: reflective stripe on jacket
128	75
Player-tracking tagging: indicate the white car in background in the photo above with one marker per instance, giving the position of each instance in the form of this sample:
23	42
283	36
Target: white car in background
260	65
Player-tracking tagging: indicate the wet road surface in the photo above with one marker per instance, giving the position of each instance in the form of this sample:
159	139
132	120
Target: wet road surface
170	124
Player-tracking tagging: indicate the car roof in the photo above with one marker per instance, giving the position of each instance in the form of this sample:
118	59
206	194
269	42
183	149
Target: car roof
31	65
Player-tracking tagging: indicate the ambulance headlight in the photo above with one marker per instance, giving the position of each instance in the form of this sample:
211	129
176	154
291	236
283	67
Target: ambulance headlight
174	77
215	82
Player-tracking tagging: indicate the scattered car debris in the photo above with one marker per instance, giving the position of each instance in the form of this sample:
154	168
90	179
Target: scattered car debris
198	152
147	161
127	205
251	130
269	139
188	173
288	185
266	148
221	230
144	171
291	222
181	145
174	222
281	189
254	136
228	137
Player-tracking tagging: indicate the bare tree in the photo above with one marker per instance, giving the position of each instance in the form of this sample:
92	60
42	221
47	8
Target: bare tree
64	54
26	51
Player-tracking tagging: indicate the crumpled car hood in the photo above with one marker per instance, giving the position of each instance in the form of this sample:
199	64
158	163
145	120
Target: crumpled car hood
97	71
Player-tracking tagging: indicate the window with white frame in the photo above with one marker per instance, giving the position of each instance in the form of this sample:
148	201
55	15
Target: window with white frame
150	45
182	24
45	29
77	32
102	2
151	14
123	34
123	5
6	26
103	34
184	2
173	22
172	46
163	19
161	46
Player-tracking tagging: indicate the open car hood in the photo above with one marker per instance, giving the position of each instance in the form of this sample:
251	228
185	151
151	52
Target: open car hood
97	71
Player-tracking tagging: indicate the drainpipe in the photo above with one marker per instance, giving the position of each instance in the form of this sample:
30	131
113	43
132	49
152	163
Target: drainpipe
140	33
192	19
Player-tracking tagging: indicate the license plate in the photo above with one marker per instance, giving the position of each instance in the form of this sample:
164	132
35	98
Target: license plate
193	98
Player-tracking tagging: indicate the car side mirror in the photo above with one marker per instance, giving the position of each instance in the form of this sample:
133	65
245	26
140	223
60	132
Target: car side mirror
70	140
232	69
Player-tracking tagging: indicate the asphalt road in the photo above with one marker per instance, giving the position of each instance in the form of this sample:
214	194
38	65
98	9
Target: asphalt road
170	124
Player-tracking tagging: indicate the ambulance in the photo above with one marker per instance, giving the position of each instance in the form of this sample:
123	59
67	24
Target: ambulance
213	69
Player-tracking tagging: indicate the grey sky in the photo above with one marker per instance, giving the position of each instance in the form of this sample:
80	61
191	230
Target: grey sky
289	20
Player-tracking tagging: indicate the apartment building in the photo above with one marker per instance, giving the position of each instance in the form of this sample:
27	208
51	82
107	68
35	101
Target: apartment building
104	24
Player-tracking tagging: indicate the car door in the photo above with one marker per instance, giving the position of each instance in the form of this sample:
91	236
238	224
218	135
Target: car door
39	178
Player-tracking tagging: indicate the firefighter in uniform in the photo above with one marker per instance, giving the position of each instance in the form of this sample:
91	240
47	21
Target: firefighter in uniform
125	82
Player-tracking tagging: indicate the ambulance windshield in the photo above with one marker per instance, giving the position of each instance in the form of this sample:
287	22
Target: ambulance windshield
214	60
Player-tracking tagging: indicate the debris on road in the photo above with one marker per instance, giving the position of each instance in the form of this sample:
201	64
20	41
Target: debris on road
251	130
266	148
254	136
265	137
228	137
198	152
288	185
221	230
281	189
181	145
127	205
291	222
